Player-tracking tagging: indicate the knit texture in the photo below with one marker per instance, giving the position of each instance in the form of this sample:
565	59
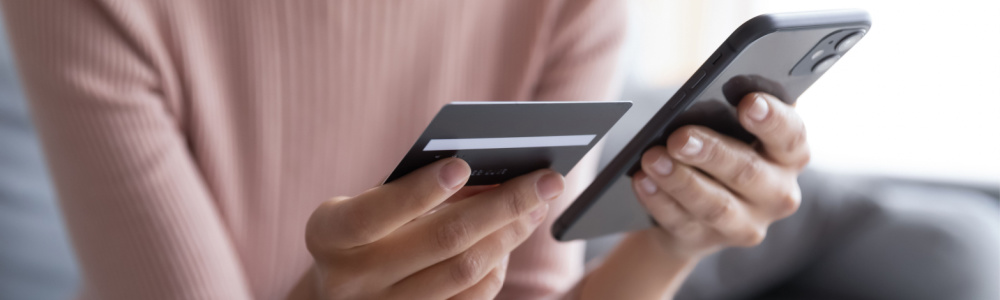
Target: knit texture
190	140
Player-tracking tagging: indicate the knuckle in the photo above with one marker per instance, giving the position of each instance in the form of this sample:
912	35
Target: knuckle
453	235
752	237
790	201
350	224
718	212
415	198
518	231
686	230
315	240
666	212
670	209
316	245
411	197
748	172
713	151
798	139
673	226
683	185
806	157
357	226
493	282
516	200
412	201
466	269
772	124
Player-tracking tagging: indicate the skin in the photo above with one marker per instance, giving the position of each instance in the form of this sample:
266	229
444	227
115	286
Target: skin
397	241
725	194
707	191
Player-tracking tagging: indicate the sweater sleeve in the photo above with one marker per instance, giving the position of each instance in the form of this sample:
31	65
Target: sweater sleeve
140	216
580	65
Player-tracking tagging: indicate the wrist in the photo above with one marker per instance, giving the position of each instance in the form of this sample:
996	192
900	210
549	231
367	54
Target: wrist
643	266
663	248
668	248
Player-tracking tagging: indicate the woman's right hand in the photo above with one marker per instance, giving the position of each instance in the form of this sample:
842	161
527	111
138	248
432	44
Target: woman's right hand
383	244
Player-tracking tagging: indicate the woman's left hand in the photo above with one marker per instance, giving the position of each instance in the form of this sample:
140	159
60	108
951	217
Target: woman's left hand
708	191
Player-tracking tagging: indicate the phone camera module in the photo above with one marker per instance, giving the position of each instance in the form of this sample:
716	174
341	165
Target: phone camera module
819	53
827	51
825	64
849	41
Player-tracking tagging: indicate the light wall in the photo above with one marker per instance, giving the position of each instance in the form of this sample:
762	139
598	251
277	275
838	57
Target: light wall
918	97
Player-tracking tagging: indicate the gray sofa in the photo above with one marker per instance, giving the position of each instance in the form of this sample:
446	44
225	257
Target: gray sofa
854	237
36	261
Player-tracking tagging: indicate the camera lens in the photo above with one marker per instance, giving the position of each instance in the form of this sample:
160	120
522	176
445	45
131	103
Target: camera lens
817	54
849	41
825	64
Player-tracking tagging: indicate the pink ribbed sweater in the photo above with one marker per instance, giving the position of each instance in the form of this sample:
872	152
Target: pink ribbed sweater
191	139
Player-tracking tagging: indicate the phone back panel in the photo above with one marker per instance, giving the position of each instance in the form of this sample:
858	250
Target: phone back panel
780	54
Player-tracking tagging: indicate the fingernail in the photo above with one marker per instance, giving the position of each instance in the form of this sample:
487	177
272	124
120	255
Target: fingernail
647	186
549	186
538	214
452	174
758	111
692	147
663	166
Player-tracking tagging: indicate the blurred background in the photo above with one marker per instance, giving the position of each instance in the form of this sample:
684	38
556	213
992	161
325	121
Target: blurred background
915	102
917	98
905	137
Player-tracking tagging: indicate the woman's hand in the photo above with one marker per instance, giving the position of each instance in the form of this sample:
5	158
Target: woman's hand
384	243
708	191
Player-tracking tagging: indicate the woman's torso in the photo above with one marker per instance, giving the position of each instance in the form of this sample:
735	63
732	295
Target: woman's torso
285	104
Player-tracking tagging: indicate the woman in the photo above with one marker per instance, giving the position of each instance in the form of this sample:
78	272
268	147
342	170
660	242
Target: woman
190	142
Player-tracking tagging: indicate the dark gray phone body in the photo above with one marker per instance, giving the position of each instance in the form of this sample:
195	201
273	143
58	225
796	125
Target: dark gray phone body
781	54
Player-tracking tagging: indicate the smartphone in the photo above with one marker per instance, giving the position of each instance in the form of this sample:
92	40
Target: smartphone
781	54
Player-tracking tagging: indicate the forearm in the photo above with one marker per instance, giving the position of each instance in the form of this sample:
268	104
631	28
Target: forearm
144	224
639	268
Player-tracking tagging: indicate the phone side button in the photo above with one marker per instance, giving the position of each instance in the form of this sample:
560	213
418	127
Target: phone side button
715	57
698	76
677	100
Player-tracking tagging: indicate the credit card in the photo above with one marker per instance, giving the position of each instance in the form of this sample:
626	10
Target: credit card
503	140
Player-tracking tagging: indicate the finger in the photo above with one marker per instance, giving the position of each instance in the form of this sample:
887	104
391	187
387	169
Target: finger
702	197
670	215
489	286
377	212
778	127
727	160
469	191
460	225
461	194
735	224
460	272
664	209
